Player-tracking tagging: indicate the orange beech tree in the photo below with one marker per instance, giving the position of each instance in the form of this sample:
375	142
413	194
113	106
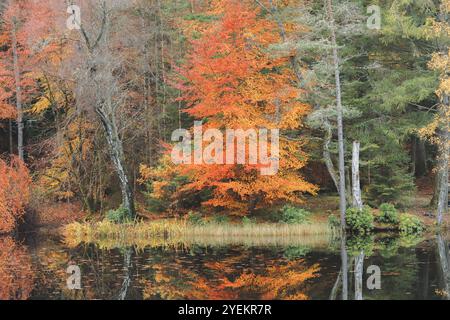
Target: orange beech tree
232	81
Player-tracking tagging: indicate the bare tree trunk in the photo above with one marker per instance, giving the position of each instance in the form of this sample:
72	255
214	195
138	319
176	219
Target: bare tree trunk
117	157
126	277
357	202
359	269
18	92
444	260
11	148
444	155
327	157
342	202
334	290
344	266
108	98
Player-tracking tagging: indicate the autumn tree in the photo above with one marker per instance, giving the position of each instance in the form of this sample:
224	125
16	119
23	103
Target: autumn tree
23	37
231	81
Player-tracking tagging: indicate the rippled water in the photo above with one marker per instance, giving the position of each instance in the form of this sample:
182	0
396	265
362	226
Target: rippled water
36	268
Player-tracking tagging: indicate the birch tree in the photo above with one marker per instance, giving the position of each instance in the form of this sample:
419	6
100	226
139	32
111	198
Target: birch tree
99	84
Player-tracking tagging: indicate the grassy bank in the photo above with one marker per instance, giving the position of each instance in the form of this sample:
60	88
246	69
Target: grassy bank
175	232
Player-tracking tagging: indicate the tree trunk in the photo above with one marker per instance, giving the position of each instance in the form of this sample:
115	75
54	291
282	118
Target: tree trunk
421	159
444	260
327	157
18	92
444	155
342	202
334	290
356	189
359	269
116	152
11	147
344	266
127	274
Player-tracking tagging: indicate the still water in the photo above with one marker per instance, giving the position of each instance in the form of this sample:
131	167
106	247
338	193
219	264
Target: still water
35	267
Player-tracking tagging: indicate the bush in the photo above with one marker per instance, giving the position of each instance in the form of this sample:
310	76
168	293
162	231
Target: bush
359	221
388	214
221	219
294	215
118	215
15	184
334	222
195	218
248	221
410	225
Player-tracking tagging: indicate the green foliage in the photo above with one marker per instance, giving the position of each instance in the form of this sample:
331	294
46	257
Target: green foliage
294	215
195	218
334	221
388	214
248	221
118	215
410	225
221	219
359	221
358	243
296	252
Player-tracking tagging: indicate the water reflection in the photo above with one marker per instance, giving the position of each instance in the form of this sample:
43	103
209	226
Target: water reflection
16	273
444	260
411	268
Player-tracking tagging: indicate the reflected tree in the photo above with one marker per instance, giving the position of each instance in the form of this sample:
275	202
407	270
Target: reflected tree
444	260
127	274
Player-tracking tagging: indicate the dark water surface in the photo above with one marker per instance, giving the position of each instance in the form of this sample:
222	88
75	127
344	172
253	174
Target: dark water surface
36	268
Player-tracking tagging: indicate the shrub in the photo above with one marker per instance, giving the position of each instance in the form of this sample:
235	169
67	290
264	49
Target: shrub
221	219
357	243
334	222
14	193
359	221
248	221
294	215
296	252
118	215
195	218
388	214
410	224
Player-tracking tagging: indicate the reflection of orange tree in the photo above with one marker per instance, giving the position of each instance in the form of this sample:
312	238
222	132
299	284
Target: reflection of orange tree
285	281
16	274
279	282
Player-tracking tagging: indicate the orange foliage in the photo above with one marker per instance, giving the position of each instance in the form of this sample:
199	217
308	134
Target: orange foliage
285	281
232	81
16	274
33	22
14	193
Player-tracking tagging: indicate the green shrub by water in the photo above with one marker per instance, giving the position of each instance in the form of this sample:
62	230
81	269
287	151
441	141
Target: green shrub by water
294	215
388	214
195	218
410	224
359	221
334	222
221	219
248	221
118	215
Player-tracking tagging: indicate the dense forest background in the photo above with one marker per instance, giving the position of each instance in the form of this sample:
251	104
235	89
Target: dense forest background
91	110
